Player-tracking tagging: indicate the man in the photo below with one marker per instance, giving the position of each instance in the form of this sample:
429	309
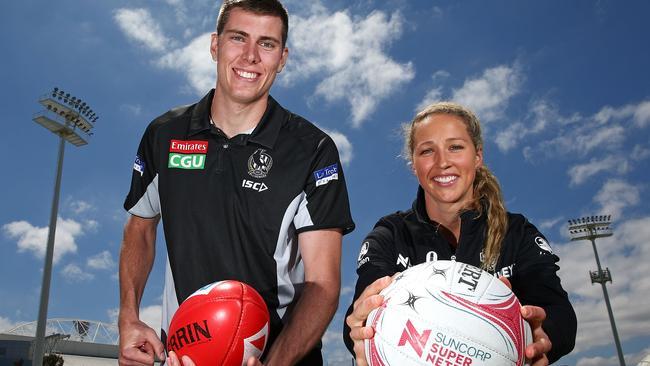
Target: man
246	190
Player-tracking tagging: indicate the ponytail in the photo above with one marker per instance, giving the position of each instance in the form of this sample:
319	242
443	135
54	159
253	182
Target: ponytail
488	197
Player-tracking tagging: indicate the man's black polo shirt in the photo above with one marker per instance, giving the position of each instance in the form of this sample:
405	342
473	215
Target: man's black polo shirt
232	208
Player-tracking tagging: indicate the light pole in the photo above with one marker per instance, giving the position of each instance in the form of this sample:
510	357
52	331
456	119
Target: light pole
72	120
590	228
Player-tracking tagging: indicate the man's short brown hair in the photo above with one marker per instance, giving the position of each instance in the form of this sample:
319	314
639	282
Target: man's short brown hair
262	7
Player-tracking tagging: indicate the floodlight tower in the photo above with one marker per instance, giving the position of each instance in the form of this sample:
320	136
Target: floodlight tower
72	120
590	228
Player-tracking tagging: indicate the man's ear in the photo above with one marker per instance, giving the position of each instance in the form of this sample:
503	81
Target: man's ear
283	60
214	45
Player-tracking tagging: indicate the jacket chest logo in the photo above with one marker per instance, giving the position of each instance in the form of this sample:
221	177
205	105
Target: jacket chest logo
403	261
188	154
259	164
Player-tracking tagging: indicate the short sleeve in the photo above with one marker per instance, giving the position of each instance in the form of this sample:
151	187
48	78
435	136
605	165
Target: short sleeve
325	204
143	199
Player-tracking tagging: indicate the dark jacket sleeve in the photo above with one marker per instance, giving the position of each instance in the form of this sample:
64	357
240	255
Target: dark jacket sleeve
376	260
536	283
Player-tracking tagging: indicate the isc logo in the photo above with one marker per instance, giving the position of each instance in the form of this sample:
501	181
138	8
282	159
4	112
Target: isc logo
256	186
186	161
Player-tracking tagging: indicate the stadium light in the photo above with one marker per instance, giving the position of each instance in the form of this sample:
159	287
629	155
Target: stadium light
590	228
63	116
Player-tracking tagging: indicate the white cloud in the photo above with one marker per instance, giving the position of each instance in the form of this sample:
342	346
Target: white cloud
615	195
510	136
435	94
334	351
7	324
150	315
607	130
489	94
580	141
432	96
608	113
179	10
195	61
640	152
608	137
350	54
542	114
103	260
627	293
134	109
91	225
630	359
347	290
550	223
612	164
139	26
79	207
343	145
640	114
74	273
34	239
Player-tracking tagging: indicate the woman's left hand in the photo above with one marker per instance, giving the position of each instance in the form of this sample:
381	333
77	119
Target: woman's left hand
534	315
254	361
536	351
172	360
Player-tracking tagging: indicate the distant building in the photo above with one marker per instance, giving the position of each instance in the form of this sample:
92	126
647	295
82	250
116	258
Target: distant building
79	342
645	361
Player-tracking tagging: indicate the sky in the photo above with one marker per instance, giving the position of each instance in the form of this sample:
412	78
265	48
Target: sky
562	90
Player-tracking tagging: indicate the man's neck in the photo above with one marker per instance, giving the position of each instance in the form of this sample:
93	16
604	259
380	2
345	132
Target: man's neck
234	118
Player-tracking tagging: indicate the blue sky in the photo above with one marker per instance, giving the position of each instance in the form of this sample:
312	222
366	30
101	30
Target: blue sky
562	89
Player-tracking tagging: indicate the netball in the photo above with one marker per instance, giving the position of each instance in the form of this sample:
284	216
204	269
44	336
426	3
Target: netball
447	313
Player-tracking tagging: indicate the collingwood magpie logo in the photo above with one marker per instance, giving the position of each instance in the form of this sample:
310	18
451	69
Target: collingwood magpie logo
362	254
259	164
543	244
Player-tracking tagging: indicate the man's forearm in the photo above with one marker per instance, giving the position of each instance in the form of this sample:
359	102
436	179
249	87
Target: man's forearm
309	319
136	260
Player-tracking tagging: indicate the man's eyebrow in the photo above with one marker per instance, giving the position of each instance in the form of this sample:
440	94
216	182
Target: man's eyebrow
262	38
240	32
269	38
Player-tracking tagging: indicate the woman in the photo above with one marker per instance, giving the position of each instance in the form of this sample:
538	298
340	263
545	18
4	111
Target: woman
459	214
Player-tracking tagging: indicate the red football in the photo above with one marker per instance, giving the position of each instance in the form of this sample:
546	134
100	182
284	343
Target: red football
223	323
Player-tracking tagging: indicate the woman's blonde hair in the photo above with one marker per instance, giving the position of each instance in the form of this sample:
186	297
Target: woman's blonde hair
486	186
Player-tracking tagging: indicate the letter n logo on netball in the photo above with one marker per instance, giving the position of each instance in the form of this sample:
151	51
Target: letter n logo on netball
415	339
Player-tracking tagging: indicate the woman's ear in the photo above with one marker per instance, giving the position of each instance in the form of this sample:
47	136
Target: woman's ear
479	158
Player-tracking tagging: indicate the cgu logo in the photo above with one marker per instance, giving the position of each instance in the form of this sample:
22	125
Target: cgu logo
191	333
256	186
186	161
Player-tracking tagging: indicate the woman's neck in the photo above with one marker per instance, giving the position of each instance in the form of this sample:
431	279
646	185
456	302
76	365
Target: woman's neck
448	216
